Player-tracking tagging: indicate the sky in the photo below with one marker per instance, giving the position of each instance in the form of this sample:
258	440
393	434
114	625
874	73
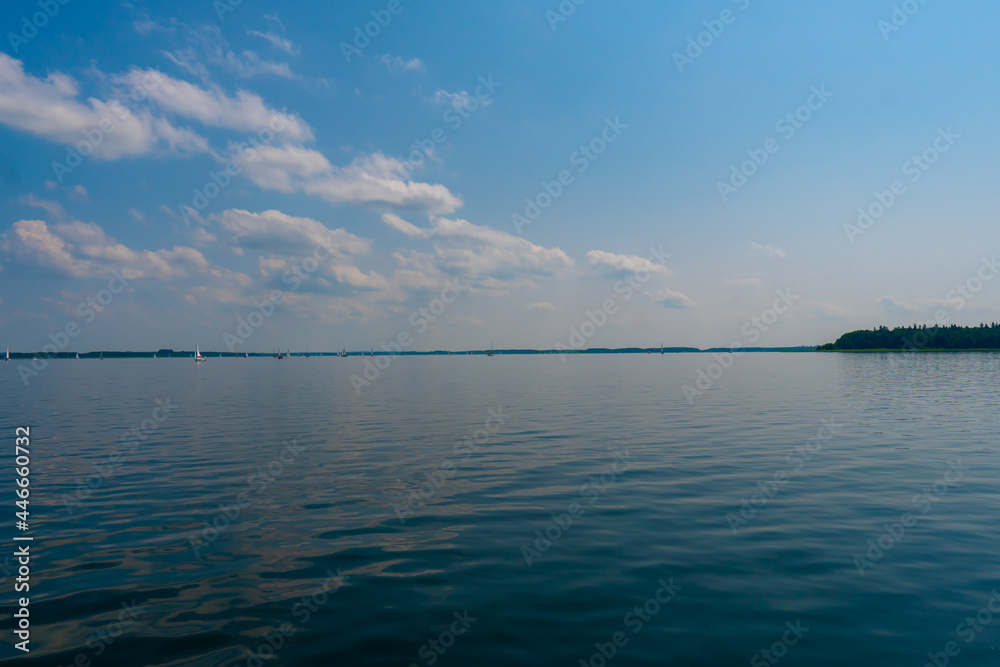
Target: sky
526	173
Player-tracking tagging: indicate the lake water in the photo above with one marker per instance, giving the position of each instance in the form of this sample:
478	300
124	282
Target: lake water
353	530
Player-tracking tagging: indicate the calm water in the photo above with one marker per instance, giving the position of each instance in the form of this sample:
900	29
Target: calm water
316	558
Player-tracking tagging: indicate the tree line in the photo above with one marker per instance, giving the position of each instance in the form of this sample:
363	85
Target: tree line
917	337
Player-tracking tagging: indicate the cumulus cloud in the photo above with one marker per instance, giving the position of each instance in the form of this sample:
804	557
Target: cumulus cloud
83	250
49	108
276	230
213	107
671	299
369	179
480	250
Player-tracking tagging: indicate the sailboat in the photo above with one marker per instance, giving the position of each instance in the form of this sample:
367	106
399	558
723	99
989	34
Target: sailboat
307	352
197	354
77	355
343	352
8	354
102	357
490	353
246	355
154	355
661	348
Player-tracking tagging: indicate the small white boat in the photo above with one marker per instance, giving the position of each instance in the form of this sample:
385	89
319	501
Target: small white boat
8	354
197	354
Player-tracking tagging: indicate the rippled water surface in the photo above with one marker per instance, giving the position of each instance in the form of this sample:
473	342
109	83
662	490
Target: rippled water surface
274	516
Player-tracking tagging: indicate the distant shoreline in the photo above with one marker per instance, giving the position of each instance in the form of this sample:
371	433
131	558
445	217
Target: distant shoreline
188	354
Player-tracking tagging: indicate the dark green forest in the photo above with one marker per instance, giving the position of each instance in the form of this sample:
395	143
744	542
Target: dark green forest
983	337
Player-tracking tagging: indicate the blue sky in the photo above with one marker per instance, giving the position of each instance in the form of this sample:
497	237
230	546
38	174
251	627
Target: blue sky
337	174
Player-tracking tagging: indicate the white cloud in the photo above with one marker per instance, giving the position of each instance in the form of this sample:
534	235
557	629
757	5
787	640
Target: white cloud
83	250
398	64
275	230
459	100
213	107
369	179
480	250
49	108
540	305
54	208
277	41
769	250
205	44
624	265
671	299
